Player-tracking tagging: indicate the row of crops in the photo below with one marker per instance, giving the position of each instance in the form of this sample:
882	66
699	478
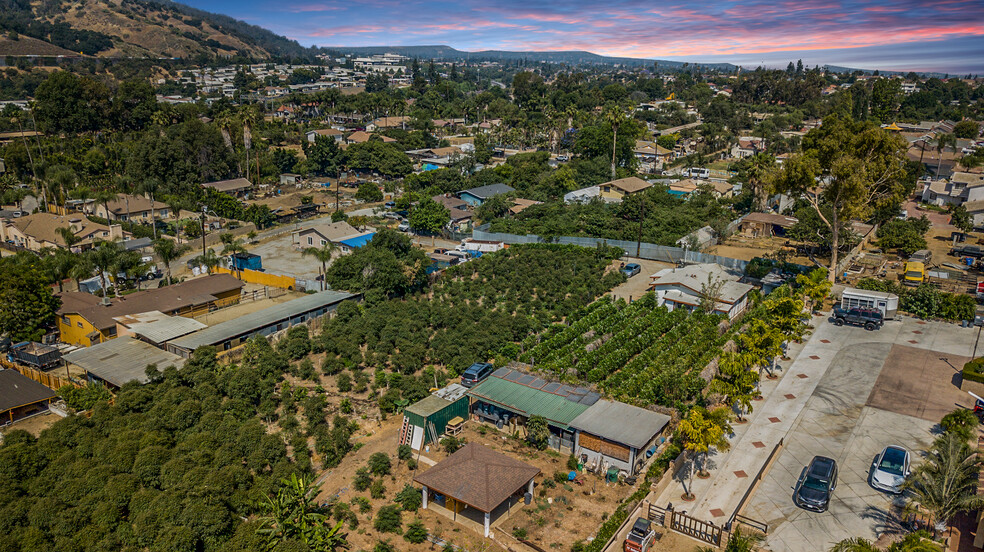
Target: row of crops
637	352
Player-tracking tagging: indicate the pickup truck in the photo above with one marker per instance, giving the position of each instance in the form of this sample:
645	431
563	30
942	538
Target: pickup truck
968	251
869	319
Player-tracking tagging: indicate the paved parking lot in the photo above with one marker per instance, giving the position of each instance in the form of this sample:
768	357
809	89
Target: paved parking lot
879	388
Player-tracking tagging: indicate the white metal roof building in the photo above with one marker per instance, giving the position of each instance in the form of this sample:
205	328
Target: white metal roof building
156	327
234	333
121	360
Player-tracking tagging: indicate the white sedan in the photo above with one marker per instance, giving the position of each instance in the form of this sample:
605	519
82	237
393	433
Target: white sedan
890	469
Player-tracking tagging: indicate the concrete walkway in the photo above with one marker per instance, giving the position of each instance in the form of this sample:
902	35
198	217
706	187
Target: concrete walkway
753	441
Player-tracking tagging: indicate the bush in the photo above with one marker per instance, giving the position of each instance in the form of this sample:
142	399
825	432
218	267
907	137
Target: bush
537	432
379	464
345	406
409	498
83	398
961	422
974	370
560	476
363	503
452	444
388	519
519	532
383	546
404	452
344	382
416	532
362	480
572	462
377	490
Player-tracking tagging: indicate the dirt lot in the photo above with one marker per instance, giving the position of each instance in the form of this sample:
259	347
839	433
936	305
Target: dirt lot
746	248
36	424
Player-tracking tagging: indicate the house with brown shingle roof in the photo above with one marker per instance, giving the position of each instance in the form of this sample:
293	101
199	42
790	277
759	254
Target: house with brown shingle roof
236	187
40	230
130	207
477	477
618	189
84	319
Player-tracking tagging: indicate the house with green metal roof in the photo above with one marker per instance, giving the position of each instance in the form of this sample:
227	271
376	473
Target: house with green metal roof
509	397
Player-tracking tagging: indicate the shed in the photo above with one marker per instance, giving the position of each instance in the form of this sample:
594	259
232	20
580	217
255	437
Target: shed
617	434
480	478
763	225
433	411
20	396
884	302
155	327
121	360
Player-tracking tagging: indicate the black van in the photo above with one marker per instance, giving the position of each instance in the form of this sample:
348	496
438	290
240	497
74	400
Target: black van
476	373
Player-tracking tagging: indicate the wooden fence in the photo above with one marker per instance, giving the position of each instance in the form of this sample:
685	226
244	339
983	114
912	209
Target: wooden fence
46	379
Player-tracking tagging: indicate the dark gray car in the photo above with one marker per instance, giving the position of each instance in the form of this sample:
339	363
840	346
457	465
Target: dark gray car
813	491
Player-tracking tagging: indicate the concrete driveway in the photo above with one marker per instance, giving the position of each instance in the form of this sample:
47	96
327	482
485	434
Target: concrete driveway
880	388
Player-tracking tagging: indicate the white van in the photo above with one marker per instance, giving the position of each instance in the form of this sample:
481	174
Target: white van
696	172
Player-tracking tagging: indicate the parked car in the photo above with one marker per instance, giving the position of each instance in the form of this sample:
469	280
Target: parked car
890	469
404	226
631	270
390	205
968	251
563	158
814	490
475	373
441	250
914	273
923	256
641	537
867	318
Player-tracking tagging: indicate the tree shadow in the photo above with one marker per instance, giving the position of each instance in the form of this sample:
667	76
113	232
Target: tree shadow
886	521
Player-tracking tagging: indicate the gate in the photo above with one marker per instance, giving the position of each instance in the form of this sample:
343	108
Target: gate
657	515
697	528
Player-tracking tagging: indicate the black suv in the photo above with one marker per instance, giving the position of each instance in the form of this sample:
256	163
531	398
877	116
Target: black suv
813	490
475	373
869	319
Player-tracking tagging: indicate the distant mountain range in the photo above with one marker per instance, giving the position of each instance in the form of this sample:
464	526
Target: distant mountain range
573	57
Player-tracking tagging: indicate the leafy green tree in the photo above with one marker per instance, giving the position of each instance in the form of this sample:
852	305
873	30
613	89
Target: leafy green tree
736	381
416	532
388	519
409	498
168	251
850	167
960	217
285	159
27	304
814	286
379	463
537	432
404	452
369	193
966	129
905	236
451	444
66	102
429	216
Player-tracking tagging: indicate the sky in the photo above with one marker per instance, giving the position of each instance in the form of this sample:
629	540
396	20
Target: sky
921	35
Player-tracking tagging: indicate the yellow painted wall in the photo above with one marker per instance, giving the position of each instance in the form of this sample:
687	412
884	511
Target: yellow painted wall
261	278
611	192
71	332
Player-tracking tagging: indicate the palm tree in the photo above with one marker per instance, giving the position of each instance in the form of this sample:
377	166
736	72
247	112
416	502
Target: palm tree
945	484
209	259
232	247
700	433
150	187
168	251
68	236
249	117
105	257
59	263
944	140
104	197
323	254
614	117
736	381
854	545
761	167
174	204
82	269
814	286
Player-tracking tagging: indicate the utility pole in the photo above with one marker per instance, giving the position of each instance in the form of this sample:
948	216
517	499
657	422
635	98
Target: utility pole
204	209
642	217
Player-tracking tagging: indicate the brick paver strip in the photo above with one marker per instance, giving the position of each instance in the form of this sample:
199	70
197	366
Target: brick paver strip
758	444
814	357
824	341
789	396
717	512
774	420
913	341
741	473
920	322
802	376
917	332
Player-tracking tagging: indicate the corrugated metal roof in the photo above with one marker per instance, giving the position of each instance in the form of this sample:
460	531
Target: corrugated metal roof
159	327
255	321
620	422
121	360
528	401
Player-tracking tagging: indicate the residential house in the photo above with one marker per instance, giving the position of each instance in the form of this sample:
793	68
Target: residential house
747	146
683	187
21	396
332	133
617	434
460	212
520	205
236	187
688	287
84	319
619	189
963	187
127	207
481	194
361	136
584	195
155	327
342	234
388	122
40	230
764	225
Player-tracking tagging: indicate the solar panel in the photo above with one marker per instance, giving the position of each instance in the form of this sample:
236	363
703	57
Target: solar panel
524	379
590	398
565	390
537	383
552	388
516	376
501	373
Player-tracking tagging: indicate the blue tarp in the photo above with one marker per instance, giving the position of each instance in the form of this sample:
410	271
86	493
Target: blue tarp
358	241
430	167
